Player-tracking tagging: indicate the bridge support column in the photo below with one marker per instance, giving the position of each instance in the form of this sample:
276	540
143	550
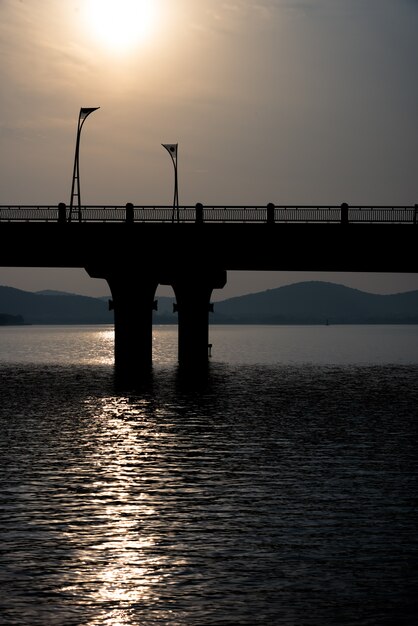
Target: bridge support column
132	302
193	292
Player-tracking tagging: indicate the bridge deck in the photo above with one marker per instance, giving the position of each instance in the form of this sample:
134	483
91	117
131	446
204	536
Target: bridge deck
143	247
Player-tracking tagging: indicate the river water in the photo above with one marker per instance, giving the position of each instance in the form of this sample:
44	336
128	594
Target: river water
279	491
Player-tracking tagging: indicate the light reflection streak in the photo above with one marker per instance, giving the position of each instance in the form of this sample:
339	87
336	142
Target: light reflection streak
103	341
120	567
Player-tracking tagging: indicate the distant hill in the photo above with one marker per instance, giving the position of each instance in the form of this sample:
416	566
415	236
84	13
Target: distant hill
38	308
11	320
312	302
316	302
54	292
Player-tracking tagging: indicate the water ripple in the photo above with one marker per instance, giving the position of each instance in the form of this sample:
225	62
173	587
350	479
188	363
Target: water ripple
270	495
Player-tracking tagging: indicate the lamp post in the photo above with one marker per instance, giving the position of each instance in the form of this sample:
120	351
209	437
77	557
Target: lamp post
75	185
172	149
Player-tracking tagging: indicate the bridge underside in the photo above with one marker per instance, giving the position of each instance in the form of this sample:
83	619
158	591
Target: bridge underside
194	259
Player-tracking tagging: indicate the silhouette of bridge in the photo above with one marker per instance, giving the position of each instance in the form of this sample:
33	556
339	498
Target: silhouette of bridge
191	248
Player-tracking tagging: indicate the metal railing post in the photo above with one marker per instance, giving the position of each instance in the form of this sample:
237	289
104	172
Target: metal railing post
129	213
199	213
344	213
270	213
62	213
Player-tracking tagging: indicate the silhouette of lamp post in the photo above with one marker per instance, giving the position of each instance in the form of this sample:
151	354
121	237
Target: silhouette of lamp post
75	185
172	149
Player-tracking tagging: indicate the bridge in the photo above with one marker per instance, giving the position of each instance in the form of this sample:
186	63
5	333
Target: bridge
191	248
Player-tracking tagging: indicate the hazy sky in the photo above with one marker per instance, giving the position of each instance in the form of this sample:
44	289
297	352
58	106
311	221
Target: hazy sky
288	101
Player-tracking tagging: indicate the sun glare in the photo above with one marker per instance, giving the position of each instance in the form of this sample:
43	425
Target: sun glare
120	25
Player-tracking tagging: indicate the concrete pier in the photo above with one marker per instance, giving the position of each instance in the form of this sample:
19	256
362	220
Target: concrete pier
193	292
132	301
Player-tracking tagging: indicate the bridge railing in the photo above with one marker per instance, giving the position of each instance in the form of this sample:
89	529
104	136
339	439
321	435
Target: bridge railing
212	214
28	213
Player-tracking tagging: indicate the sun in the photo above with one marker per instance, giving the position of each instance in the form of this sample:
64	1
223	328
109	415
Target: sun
120	25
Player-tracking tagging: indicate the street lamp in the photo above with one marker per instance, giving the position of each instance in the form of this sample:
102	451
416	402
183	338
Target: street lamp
172	149
75	186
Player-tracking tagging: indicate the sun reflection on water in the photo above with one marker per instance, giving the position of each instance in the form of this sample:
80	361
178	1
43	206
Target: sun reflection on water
121	557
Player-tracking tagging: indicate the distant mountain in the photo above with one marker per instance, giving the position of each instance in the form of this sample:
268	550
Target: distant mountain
37	308
11	320
312	302
316	302
54	292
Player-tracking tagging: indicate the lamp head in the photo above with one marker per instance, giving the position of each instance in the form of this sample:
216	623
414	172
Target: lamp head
85	111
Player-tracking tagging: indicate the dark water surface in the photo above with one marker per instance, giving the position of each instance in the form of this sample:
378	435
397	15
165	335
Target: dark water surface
271	494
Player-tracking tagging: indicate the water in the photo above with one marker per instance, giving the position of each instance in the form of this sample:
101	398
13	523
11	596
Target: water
281	491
